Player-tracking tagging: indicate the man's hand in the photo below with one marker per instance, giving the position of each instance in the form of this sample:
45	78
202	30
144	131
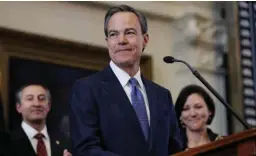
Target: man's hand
66	153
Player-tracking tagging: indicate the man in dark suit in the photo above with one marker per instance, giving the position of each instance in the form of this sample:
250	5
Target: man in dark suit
33	138
117	111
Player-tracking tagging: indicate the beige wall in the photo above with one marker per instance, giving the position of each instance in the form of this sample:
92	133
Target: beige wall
83	22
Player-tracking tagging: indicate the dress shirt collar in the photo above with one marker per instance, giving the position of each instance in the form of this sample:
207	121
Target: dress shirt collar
31	132
124	77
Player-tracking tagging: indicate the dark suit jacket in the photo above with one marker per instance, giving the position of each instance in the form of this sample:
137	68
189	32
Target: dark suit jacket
103	121
21	146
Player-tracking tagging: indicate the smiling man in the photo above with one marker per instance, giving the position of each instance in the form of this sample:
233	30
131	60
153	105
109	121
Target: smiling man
117	111
33	102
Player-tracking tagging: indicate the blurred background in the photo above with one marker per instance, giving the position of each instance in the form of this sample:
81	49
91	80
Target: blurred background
54	43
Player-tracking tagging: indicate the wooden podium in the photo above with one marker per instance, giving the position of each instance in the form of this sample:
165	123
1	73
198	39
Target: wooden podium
240	144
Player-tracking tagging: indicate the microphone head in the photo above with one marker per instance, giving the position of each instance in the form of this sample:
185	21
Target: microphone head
169	59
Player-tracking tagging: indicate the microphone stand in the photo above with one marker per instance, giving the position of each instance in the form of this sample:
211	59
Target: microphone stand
213	91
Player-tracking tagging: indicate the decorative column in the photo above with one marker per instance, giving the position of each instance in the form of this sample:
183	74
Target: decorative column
247	38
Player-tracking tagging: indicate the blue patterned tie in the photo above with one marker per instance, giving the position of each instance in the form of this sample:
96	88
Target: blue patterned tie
138	104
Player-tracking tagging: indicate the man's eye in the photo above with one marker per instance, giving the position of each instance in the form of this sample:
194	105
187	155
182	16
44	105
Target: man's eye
112	34
130	32
29	99
43	98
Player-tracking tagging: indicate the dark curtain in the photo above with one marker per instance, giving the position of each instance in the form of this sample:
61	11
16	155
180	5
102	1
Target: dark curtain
3	134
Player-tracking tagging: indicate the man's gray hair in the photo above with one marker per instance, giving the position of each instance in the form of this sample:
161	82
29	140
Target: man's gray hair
19	92
125	8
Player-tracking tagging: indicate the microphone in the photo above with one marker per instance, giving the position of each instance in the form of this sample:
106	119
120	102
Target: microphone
170	59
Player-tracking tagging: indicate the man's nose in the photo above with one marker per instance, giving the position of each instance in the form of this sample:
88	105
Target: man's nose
122	39
36	102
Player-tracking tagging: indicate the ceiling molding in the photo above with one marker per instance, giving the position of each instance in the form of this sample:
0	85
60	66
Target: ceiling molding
162	10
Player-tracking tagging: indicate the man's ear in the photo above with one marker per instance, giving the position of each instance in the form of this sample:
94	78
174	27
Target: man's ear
18	107
145	40
50	106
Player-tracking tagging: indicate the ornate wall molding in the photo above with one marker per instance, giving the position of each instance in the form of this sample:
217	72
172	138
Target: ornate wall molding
169	10
201	31
206	37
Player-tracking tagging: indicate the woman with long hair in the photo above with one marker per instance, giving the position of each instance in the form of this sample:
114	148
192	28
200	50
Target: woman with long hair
195	110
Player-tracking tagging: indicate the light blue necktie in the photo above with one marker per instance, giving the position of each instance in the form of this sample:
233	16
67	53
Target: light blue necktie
138	104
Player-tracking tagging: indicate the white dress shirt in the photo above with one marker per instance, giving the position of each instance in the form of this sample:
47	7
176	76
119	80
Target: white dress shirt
31	132
124	78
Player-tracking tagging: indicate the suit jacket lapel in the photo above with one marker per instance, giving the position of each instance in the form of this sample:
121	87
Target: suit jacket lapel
152	100
21	143
116	94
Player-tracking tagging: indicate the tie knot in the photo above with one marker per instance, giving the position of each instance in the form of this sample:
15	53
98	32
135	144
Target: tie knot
39	136
133	82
